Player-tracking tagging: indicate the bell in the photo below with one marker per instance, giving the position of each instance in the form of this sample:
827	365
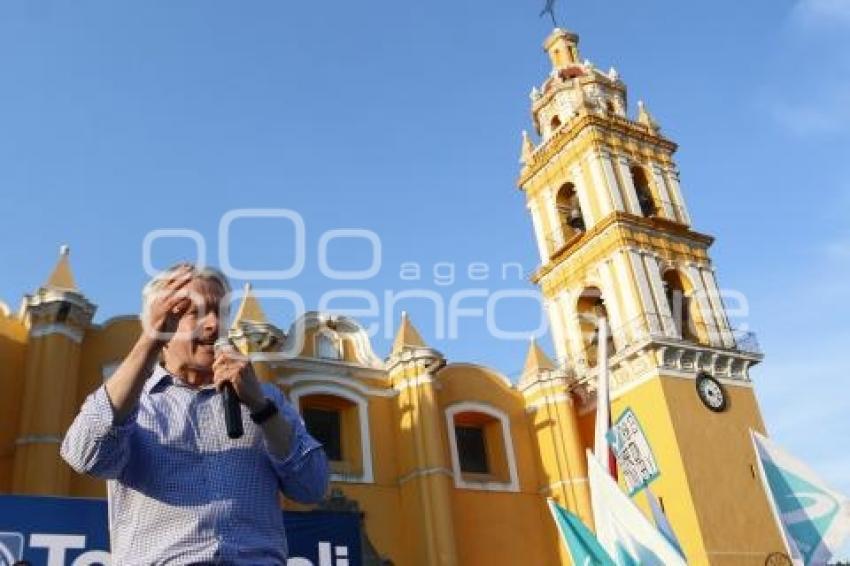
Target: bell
576	220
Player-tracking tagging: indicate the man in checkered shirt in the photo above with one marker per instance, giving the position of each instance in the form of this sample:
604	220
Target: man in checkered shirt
181	491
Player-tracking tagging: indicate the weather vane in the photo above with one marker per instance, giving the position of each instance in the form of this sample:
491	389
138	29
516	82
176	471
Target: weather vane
549	8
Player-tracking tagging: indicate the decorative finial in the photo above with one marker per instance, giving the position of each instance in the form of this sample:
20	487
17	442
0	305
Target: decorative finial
64	250
645	118
527	149
535	93
613	74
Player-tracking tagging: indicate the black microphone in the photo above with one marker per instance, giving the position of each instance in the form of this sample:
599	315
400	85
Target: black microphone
230	401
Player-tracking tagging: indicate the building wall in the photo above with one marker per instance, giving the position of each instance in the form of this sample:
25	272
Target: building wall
416	511
488	526
13	343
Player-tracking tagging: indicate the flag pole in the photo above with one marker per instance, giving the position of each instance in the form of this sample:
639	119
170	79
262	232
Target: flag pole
603	415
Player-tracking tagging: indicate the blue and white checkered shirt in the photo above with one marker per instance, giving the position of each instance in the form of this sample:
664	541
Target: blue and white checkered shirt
181	491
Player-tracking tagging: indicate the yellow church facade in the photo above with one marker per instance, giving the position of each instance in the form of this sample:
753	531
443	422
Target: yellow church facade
450	462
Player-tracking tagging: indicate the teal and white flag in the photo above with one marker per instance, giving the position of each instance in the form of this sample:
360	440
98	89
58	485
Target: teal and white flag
622	529
813	518
584	549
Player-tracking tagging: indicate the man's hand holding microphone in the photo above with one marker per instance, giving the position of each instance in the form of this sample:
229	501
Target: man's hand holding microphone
234	377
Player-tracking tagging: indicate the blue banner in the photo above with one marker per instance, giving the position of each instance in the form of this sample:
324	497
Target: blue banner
59	531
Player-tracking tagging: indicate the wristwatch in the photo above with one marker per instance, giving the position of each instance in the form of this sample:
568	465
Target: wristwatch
268	411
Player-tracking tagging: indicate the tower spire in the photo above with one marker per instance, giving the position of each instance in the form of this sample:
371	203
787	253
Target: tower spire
562	47
249	310
407	336
536	360
62	278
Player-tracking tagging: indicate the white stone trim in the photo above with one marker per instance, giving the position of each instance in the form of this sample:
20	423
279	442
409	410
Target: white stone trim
345	326
550	199
603	193
74	334
572	327
676	194
629	185
556	321
710	284
663	193
611	178
612	302
295	395
472	406
334	350
534	209
653	270
556	398
647	301
414	381
423	472
556	381
653	373
348	382
706	312
624	275
562	483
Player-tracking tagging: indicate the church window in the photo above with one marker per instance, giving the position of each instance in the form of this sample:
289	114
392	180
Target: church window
482	449
472	449
644	193
569	211
682	307
590	308
338	419
325	425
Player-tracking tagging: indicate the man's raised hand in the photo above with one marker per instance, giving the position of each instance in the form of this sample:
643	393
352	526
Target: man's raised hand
168	304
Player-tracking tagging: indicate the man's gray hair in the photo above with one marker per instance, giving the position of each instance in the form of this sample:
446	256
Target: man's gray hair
158	281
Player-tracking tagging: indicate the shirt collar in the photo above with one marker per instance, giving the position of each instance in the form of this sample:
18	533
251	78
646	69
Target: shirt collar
161	378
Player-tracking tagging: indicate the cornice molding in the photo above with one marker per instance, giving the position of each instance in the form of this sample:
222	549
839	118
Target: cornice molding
570	131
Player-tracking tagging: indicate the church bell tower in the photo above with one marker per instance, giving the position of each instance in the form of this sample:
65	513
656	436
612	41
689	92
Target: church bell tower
616	239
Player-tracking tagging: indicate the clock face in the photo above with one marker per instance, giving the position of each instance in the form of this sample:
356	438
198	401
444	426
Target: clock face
711	393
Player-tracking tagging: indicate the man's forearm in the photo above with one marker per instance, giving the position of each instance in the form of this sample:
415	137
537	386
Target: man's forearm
278	435
125	386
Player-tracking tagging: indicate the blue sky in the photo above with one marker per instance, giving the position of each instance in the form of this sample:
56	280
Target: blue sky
119	118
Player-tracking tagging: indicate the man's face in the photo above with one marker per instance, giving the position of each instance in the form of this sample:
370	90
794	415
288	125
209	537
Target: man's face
193	344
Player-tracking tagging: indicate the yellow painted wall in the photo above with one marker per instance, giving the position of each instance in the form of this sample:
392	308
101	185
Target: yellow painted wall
409	433
13	343
718	457
707	485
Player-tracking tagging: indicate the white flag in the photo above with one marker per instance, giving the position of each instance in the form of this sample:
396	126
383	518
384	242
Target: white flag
601	448
813	518
622	529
